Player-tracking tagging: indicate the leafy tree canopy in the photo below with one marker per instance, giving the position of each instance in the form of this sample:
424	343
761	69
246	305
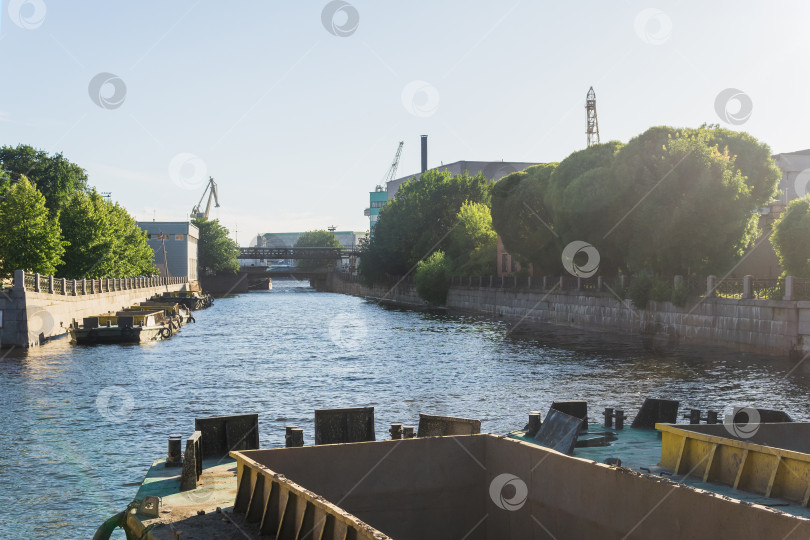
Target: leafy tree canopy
418	221
30	238
53	175
433	278
319	238
105	241
669	201
521	217
791	238
216	251
473	243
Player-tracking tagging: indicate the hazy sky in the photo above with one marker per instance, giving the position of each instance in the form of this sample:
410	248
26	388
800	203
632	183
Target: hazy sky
297	114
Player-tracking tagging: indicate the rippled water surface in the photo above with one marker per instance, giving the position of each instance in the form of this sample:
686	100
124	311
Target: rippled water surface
79	426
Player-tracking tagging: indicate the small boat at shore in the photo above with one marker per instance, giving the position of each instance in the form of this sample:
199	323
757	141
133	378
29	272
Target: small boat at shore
173	310
191	299
129	326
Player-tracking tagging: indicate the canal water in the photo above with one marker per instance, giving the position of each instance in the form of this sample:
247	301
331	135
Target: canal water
79	426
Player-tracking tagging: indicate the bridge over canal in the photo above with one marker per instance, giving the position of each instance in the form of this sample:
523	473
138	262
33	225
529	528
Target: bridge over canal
285	253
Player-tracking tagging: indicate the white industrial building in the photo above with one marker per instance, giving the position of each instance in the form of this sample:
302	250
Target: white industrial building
174	244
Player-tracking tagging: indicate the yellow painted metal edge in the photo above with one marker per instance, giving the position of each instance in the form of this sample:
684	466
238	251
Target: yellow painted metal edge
751	447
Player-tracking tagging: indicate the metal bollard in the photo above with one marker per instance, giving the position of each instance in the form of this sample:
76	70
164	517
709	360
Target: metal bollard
293	436
175	457
535	422
608	416
693	416
395	431
711	417
408	432
619	415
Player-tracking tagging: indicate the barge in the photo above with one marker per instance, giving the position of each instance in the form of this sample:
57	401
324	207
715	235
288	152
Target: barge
190	299
601	481
128	326
178	313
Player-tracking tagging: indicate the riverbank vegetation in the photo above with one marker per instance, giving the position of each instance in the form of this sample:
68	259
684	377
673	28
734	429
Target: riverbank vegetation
791	238
669	202
53	222
217	252
436	212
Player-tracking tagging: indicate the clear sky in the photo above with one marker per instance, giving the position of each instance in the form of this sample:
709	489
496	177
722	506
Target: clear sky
297	114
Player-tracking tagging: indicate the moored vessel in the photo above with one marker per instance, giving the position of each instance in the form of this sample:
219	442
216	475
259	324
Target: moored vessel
447	480
129	326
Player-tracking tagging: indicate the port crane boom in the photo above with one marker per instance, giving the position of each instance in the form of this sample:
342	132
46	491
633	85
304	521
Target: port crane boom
211	189
392	170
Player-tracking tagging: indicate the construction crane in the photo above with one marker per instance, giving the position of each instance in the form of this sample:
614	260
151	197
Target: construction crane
593	122
212	186
392	170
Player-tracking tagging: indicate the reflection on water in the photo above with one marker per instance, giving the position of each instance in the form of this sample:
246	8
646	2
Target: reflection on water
81	425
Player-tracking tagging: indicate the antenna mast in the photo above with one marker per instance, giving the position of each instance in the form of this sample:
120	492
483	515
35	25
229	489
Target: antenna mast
593	122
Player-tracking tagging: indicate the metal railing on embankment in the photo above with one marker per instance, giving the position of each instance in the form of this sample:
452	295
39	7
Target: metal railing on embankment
35	282
747	288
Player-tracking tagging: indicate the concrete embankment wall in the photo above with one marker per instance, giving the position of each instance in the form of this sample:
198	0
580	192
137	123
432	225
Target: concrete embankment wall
763	326
774	327
30	318
402	294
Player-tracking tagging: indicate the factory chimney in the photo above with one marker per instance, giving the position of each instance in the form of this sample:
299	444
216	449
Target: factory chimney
424	153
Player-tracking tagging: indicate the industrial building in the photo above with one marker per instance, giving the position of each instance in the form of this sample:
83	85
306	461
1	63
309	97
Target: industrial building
493	170
174	244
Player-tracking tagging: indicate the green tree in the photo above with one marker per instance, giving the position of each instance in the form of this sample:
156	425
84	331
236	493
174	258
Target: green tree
433	278
216	251
671	201
319	238
105	241
418	221
473	246
791	238
133	256
695	210
53	175
30	238
522	219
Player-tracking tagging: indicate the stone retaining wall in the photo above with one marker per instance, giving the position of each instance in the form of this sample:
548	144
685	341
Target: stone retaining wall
31	318
763	326
403	294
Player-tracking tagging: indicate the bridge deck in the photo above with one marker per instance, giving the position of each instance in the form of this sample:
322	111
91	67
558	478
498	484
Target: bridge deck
264	253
